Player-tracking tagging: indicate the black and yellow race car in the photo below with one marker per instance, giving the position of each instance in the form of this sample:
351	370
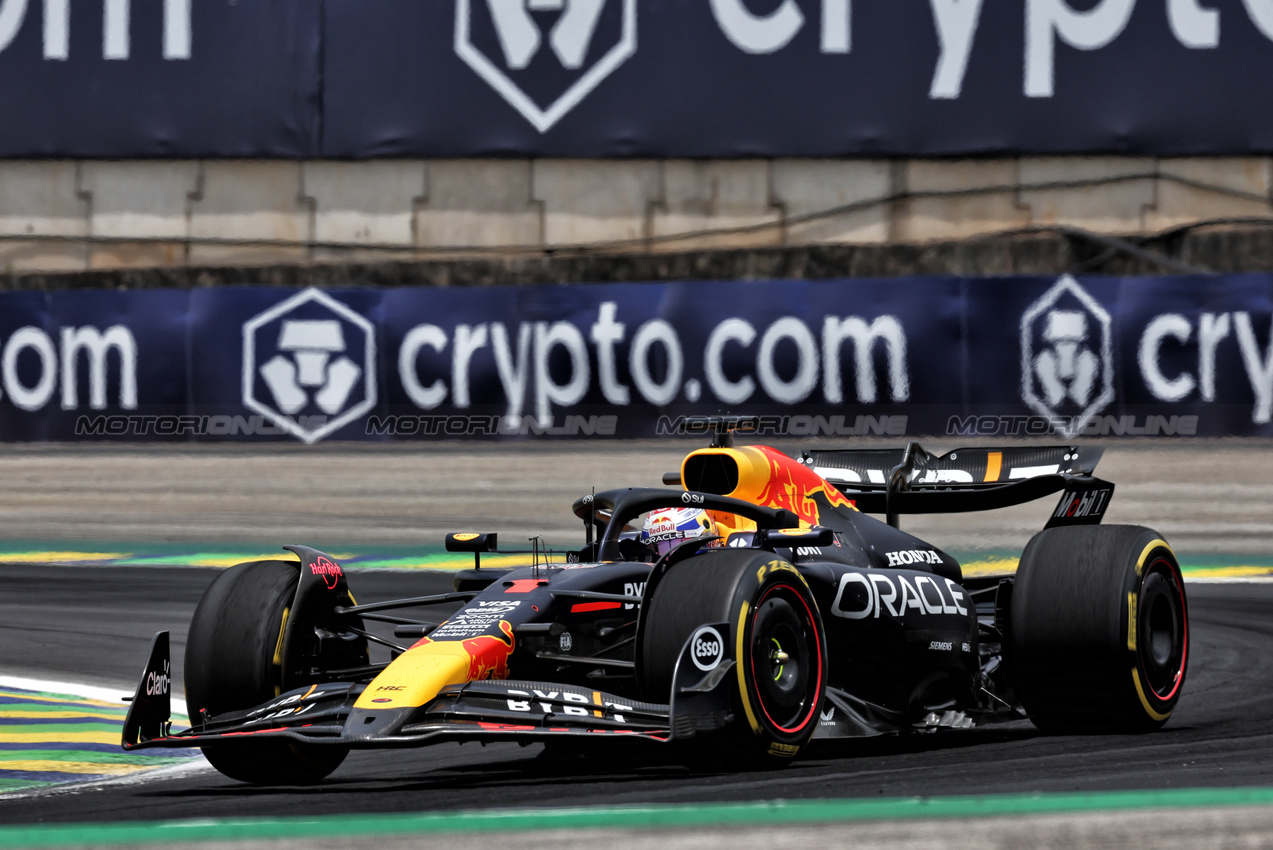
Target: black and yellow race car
791	615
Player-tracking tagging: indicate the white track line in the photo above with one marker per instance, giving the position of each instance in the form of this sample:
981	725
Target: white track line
75	689
103	694
1230	580
196	765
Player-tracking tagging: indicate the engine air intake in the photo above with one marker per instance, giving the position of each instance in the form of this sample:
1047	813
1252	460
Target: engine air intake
710	473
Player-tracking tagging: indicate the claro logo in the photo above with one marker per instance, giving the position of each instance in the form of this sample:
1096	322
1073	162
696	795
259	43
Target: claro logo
81	362
157	683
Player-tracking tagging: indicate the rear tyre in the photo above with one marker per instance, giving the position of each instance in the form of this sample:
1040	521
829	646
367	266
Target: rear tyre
779	644
1099	631
233	662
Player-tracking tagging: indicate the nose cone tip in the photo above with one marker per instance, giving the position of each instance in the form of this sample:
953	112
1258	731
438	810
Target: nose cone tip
371	723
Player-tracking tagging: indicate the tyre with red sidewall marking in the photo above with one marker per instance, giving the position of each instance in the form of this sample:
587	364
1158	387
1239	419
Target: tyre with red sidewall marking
776	634
1099	629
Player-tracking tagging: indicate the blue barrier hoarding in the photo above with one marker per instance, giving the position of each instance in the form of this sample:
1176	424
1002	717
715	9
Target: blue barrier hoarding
730	78
658	78
946	356
160	78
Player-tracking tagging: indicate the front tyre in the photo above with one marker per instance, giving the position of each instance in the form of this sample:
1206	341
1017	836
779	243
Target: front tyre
779	644
1099	629
233	662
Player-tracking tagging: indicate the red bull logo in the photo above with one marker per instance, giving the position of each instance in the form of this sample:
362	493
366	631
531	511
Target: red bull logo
416	676
660	524
763	476
792	486
489	654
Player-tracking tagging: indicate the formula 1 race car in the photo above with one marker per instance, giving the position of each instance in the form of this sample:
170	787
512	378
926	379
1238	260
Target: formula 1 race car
758	606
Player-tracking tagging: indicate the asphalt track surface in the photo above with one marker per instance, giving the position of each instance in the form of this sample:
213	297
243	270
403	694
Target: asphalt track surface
93	625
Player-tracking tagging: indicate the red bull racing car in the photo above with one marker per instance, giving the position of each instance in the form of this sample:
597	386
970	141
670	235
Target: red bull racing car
757	604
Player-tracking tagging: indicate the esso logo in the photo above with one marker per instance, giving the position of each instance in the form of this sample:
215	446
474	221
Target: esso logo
707	648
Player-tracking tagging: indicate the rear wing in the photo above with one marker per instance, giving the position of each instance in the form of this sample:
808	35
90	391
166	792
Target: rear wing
912	481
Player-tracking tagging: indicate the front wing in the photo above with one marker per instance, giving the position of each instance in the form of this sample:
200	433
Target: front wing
701	702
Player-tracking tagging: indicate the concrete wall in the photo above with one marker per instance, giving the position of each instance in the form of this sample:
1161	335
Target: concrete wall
68	216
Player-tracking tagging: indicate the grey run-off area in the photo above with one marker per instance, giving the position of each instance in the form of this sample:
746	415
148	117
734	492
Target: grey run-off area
1205	496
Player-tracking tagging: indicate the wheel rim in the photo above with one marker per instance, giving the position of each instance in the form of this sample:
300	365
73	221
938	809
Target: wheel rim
1162	630
786	658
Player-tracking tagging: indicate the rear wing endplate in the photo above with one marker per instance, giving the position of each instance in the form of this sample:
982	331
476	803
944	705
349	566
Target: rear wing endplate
912	481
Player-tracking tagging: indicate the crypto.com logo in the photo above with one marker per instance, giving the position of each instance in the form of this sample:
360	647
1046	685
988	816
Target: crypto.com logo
309	354
1067	362
521	40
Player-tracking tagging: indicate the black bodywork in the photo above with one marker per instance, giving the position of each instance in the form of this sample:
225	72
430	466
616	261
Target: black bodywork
913	645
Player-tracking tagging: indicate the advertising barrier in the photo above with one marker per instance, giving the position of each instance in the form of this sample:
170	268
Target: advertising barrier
618	78
145	78
834	359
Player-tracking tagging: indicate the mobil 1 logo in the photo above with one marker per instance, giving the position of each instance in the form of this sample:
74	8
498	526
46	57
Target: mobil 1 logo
1082	506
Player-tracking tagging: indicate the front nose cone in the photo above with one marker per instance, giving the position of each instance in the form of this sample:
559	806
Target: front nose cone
366	724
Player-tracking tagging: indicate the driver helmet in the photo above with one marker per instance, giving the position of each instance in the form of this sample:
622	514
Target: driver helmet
667	528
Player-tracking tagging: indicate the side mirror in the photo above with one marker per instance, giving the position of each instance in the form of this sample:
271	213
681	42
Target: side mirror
791	538
471	542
